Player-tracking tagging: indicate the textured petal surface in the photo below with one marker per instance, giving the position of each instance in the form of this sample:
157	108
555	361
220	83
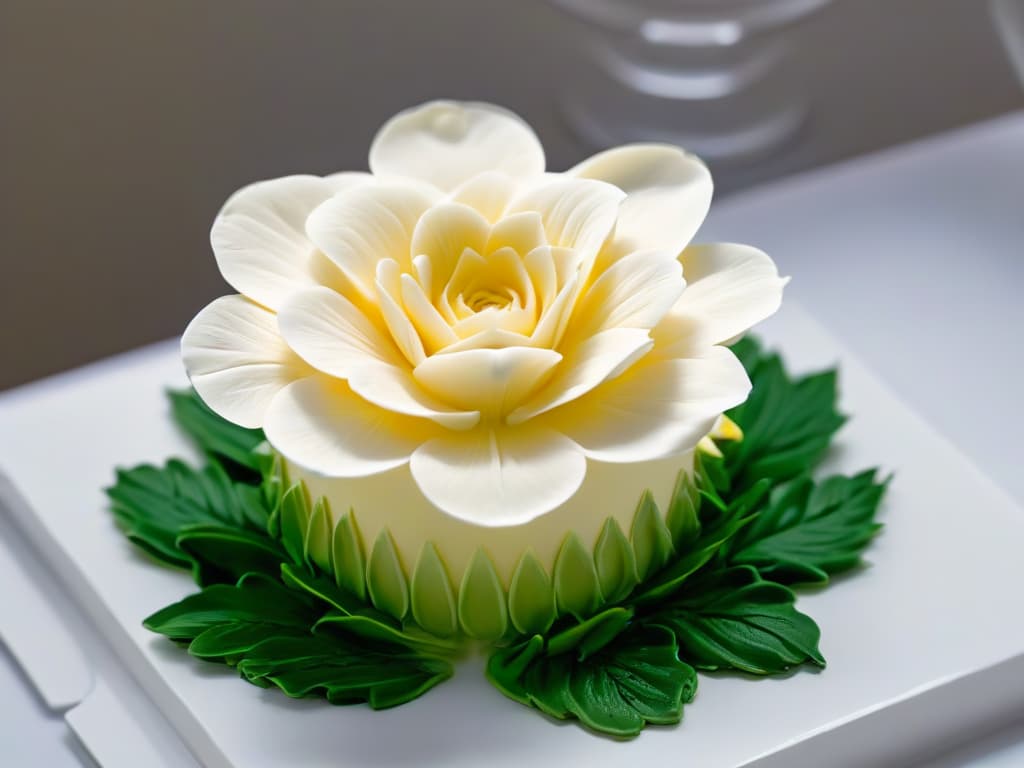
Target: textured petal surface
585	367
322	425
499	477
259	237
730	288
393	388
446	143
669	193
236	359
576	213
493	381
443	233
366	223
488	194
655	409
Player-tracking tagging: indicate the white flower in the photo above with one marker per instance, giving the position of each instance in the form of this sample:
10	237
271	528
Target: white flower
497	328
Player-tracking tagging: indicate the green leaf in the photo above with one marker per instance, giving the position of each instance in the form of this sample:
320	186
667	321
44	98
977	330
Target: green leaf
224	555
787	423
431	595
682	518
634	680
385	577
615	563
482	610
531	598
294	520
317	546
577	590
591	635
218	436
733	620
154	505
349	556
652	542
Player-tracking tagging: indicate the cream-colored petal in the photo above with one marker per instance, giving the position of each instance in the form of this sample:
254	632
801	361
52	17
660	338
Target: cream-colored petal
499	476
322	425
259	237
389	296
656	409
585	367
366	223
433	330
540	266
488	193
443	233
555	318
729	288
490	338
492	381
236	359
577	213
634	292
522	232
393	388
446	143
669	193
348	179
331	334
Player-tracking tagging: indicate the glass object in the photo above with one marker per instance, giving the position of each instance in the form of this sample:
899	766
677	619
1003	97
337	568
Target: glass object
715	76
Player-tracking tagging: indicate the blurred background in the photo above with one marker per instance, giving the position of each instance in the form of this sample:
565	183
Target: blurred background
126	123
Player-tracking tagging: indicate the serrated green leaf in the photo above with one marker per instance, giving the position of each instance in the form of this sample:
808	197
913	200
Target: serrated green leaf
431	594
483	613
652	542
294	514
531	598
153	505
228	442
734	620
223	555
634	680
385	577
317	546
682	518
349	556
577	590
807	532
615	563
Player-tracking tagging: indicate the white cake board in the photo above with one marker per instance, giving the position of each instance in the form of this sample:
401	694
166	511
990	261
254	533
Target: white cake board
908	639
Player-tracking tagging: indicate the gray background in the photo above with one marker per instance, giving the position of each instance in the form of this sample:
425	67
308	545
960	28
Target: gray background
125	124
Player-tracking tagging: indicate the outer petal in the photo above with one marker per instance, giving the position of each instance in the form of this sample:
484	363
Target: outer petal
669	193
446	143
501	476
655	409
259	237
729	289
593	362
237	360
366	223
322	425
493	381
576	213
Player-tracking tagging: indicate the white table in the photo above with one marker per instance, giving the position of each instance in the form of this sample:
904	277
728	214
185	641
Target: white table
930	231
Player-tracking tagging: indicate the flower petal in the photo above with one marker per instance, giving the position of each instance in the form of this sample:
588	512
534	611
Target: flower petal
236	359
634	292
522	232
259	237
446	143
500	476
393	388
488	194
493	381
389	296
669	193
443	233
729	289
322	425
366	223
577	213
656	409
433	330
330	333
588	365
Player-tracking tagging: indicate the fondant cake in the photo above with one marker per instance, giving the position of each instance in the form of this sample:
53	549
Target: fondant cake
461	400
